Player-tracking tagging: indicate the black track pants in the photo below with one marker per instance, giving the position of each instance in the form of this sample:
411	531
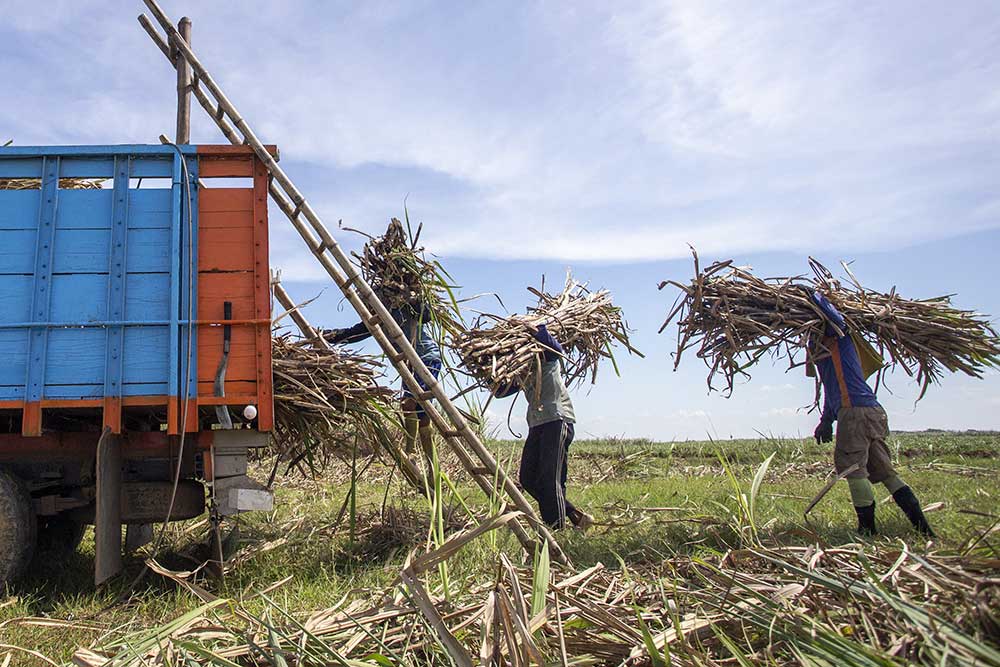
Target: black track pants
543	469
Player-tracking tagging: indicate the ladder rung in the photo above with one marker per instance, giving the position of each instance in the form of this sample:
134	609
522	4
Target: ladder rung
452	434
225	113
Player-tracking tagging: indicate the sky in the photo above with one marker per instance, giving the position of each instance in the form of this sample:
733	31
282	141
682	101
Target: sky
606	137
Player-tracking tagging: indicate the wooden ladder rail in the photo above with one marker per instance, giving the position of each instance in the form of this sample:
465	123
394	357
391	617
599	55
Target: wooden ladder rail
372	311
406	465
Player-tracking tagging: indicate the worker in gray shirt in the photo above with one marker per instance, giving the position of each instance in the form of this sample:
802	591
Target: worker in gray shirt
550	432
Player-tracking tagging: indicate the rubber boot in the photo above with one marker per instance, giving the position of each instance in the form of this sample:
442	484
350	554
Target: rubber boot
866	520
908	502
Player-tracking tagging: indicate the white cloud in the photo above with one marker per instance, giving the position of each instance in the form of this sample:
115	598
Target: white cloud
689	414
773	388
586	133
782	412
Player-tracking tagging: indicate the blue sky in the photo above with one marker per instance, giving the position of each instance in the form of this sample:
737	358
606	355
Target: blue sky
530	137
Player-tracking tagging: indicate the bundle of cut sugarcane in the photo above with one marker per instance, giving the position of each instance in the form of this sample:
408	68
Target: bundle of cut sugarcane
735	318
396	268
587	324
64	183
324	400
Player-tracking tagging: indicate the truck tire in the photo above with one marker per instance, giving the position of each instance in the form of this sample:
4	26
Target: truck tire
18	527
59	535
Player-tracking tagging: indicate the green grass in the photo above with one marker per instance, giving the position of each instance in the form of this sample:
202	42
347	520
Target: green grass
619	481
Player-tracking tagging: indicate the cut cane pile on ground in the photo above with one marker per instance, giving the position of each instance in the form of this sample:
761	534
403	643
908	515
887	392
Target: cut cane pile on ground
713	570
735	319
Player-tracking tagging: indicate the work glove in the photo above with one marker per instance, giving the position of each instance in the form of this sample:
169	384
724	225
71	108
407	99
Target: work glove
543	336
334	335
548	340
824	432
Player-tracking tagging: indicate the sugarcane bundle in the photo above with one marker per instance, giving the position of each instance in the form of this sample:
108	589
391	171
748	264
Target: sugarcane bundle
326	401
64	183
397	269
587	324
735	318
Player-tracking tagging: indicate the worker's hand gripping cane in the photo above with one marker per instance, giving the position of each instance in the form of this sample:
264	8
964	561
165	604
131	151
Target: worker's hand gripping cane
824	432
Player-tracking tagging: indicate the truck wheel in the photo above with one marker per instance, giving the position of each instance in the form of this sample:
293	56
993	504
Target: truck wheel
18	527
59	535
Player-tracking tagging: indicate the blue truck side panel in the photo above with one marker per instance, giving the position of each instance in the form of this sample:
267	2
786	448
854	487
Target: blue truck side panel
94	283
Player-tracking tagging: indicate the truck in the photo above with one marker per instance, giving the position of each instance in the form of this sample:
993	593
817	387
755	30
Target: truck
135	331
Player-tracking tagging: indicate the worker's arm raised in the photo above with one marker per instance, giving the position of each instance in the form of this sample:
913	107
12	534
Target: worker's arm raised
832	316
503	391
543	336
353	334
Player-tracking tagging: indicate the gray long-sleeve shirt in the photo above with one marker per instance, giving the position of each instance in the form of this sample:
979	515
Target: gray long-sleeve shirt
553	401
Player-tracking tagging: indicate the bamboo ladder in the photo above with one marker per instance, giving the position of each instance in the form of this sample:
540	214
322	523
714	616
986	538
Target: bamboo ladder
454	429
406	466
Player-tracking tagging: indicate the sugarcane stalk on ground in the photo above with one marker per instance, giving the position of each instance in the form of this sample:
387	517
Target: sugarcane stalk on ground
587	324
780	605
735	318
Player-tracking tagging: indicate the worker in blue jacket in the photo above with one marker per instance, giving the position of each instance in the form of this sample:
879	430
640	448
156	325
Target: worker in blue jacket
550	431
862	425
417	328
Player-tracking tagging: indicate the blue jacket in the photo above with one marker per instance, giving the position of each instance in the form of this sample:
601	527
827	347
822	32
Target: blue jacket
416	327
838	365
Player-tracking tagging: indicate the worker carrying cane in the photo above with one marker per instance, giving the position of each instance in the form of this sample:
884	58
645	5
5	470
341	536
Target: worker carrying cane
862	425
416	326
550	431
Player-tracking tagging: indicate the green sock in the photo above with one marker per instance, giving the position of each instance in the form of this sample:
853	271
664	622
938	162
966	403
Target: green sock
862	492
894	483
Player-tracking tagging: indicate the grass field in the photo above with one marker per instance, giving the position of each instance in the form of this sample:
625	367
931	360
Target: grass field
652	501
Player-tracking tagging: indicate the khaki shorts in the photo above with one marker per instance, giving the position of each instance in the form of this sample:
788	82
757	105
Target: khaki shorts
861	434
